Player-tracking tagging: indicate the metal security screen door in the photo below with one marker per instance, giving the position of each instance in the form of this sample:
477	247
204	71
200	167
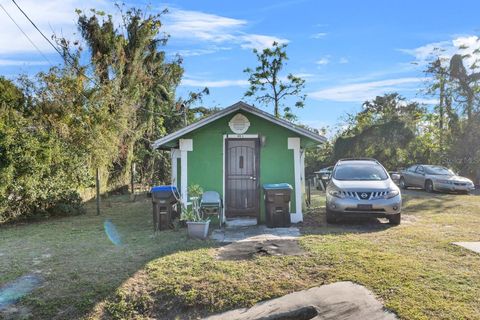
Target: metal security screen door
241	177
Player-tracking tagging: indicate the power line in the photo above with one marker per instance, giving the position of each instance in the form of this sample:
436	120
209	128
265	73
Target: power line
48	40
26	35
55	47
62	55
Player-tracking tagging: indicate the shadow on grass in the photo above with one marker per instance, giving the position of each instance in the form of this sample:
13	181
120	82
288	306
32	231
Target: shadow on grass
415	203
79	264
315	223
418	200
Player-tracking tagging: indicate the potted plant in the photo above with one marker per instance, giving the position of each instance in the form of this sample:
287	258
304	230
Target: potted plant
197	226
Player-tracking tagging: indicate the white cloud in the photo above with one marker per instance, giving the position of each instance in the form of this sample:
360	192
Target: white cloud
200	52
12	62
50	16
200	27
397	70
359	92
304	75
316	124
428	51
426	101
258	41
319	35
343	60
189	82
464	45
323	61
196	25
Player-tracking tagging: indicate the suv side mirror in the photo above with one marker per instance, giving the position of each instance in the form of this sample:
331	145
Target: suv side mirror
395	176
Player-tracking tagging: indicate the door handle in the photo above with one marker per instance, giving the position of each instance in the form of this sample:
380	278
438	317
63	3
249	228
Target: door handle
253	178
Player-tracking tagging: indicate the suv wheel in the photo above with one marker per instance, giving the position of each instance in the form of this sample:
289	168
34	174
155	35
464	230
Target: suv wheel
395	219
429	186
403	185
331	216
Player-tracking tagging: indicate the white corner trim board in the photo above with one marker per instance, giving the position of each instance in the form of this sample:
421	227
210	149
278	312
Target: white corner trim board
185	146
174	155
302	175
294	144
223	179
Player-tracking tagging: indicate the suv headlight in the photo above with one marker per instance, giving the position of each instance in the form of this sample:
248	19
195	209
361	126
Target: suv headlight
392	193
336	193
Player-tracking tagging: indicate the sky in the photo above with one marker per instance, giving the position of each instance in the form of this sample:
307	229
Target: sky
347	51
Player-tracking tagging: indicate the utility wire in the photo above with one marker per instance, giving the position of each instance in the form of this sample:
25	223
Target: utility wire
25	34
61	54
28	18
54	46
51	43
63	57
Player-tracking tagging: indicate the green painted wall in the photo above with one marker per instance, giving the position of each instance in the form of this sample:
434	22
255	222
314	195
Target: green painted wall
205	162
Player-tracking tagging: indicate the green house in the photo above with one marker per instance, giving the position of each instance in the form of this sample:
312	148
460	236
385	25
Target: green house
235	152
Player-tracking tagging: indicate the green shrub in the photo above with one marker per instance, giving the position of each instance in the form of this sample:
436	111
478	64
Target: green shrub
68	203
39	173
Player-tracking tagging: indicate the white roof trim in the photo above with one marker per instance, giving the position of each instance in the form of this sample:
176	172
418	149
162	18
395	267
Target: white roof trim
233	108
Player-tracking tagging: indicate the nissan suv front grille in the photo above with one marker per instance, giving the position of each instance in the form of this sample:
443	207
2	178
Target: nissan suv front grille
364	195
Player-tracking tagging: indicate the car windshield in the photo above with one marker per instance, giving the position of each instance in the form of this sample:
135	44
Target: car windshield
360	172
437	170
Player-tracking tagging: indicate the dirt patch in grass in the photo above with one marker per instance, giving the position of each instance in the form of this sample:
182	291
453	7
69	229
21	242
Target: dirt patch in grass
243	250
314	218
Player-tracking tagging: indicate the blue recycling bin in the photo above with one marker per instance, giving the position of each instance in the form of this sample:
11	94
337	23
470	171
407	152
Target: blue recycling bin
277	204
164	201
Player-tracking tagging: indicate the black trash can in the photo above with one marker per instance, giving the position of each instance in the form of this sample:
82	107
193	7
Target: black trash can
277	204
164	200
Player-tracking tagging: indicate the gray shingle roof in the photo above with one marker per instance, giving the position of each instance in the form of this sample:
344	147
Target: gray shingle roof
233	108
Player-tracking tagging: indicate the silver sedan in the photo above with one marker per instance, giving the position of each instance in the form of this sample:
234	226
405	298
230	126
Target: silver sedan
434	178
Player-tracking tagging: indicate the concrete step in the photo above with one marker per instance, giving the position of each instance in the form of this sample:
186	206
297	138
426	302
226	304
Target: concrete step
233	223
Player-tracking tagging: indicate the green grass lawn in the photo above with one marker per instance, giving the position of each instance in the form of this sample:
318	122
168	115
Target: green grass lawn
412	268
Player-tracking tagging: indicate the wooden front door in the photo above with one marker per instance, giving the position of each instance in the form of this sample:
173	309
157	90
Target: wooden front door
241	177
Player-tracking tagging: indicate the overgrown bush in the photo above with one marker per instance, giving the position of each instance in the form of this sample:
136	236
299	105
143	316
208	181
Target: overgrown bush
68	203
39	174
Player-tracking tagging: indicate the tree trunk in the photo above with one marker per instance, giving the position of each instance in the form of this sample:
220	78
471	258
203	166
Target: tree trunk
452	116
470	98
97	190
275	94
441	111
